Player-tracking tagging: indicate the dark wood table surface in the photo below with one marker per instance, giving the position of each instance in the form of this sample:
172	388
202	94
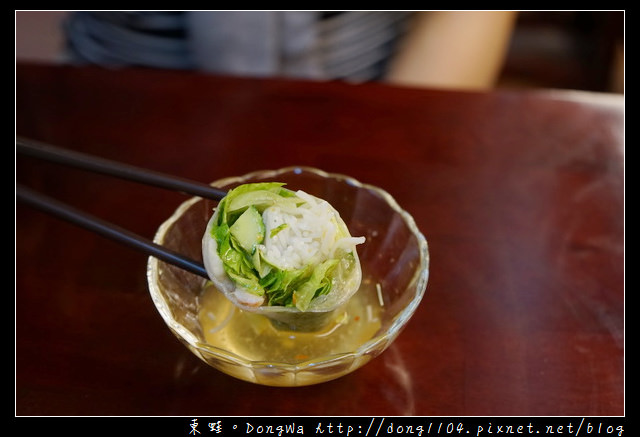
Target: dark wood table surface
520	195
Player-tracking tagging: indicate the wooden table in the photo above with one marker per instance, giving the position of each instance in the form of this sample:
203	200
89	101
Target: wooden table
520	195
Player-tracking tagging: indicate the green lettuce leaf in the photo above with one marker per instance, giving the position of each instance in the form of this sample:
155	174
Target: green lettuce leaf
319	283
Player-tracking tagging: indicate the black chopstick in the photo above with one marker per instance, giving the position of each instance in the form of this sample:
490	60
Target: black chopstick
36	149
83	161
106	229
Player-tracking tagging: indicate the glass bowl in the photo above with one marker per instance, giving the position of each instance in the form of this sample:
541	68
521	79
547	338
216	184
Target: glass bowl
395	270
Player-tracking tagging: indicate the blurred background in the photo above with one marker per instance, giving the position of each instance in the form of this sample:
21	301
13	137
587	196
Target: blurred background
580	50
575	50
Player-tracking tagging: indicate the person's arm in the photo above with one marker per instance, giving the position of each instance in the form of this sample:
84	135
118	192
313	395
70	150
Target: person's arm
454	49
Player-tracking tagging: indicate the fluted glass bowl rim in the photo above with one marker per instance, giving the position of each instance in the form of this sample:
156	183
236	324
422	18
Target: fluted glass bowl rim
371	346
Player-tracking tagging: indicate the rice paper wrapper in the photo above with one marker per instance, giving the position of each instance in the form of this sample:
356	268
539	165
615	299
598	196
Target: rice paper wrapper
346	279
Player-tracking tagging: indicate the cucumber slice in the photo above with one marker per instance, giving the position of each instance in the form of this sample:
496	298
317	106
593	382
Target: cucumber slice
248	230
261	199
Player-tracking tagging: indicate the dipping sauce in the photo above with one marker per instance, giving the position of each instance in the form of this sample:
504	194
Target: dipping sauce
254	337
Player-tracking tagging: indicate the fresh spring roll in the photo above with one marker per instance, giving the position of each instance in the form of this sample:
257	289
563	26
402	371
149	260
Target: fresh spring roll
267	246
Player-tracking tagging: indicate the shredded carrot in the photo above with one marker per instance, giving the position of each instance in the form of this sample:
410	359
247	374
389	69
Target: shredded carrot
301	357
356	318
